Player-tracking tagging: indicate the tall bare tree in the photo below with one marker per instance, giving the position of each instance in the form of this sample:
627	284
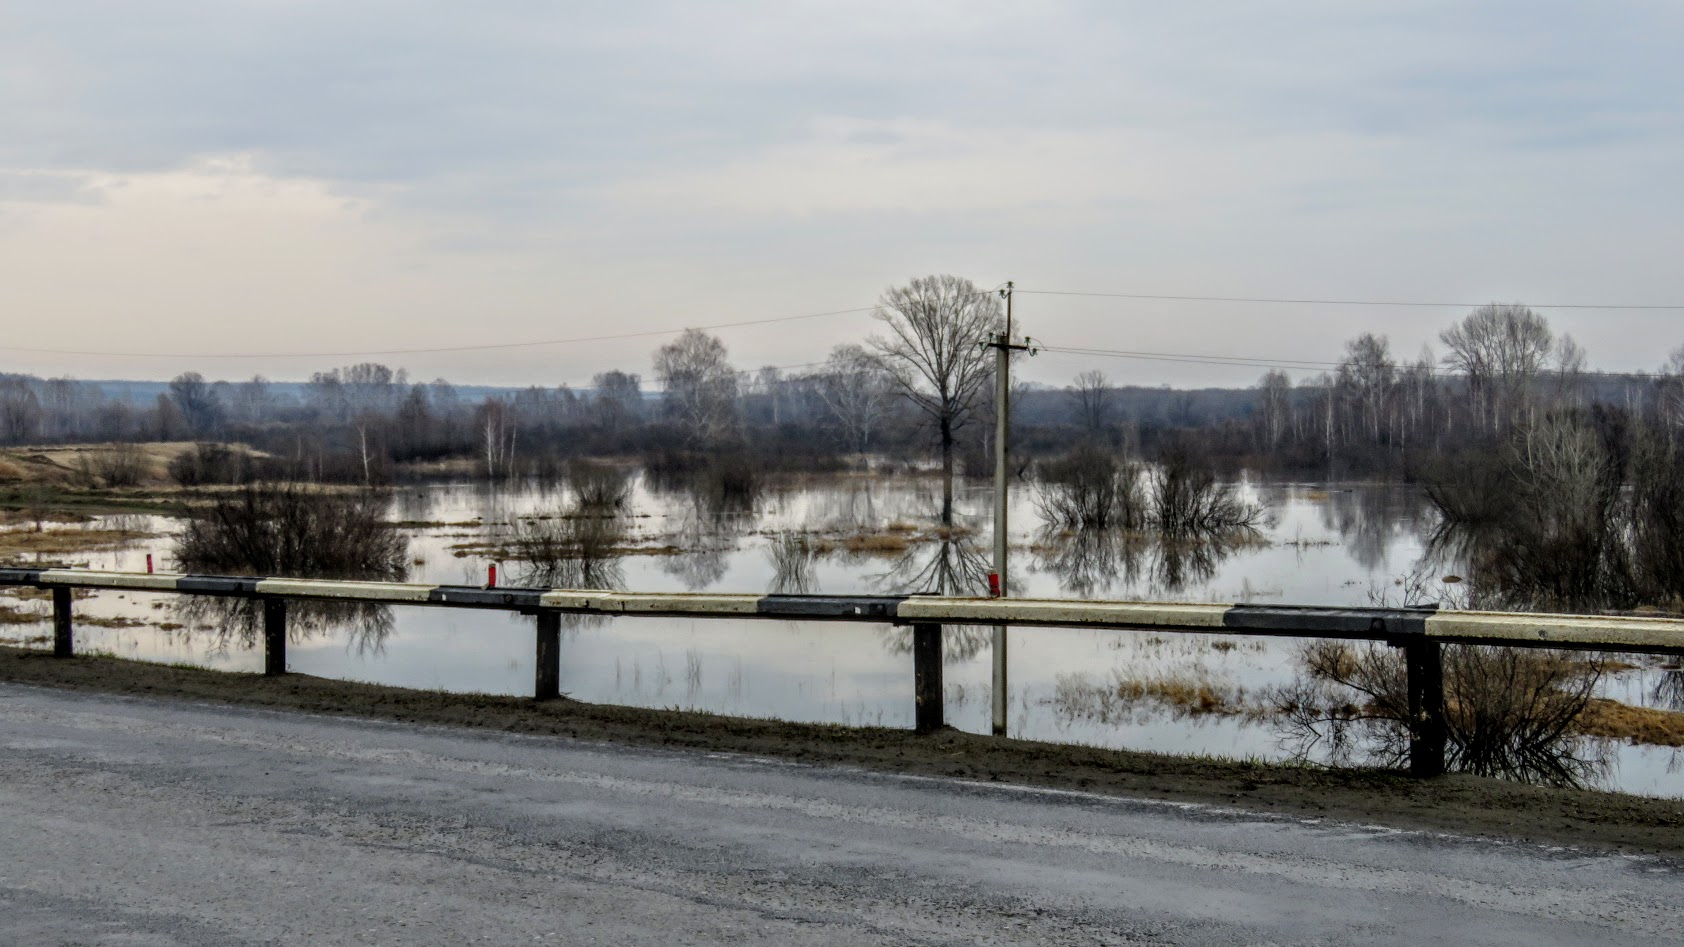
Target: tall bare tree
1094	400
856	388
1501	348
701	386
937	326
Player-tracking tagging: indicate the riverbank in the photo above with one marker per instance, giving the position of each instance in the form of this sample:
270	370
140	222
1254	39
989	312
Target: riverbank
1457	804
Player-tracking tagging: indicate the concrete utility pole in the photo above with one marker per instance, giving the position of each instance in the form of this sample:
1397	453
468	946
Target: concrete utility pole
1003	349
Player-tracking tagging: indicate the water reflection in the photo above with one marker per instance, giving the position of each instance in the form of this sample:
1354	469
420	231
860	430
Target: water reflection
237	623
1509	712
794	558
1099	563
951	565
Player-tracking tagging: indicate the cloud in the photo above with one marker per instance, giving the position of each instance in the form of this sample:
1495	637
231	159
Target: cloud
384	167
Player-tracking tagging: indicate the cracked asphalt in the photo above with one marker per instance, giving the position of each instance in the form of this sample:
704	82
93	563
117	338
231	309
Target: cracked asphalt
151	822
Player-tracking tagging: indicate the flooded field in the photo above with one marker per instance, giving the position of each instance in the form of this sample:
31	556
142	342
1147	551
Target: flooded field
1321	545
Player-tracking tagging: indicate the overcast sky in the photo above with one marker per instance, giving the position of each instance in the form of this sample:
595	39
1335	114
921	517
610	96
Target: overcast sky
293	176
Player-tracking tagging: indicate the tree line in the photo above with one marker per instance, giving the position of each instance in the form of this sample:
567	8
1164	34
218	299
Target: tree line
921	387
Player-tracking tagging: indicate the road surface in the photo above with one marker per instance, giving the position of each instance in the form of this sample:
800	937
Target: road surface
129	822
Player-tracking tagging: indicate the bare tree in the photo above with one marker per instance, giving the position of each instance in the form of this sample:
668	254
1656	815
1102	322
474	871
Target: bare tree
1368	372
701	387
619	397
199	406
20	409
1277	404
934	351
1501	348
1092	397
856	388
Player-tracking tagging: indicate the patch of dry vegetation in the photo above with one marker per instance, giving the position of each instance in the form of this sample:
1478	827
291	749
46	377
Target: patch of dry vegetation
1125	697
60	542
12	615
1613	720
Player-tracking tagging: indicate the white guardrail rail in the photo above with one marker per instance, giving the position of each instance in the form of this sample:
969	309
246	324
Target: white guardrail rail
1420	631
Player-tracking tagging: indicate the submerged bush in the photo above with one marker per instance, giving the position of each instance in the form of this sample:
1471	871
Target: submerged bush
1090	488
292	530
1574	512
1189	500
598	487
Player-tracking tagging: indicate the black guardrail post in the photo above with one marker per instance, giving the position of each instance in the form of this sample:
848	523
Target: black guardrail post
547	679
64	642
926	678
1424	659
274	636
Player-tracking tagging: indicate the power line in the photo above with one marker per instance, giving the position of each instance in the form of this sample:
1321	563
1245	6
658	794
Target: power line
449	348
1236	361
1347	302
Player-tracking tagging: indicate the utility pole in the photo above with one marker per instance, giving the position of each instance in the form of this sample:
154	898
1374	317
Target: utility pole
1003	348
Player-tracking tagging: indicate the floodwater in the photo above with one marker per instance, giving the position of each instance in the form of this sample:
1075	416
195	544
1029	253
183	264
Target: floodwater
1324	544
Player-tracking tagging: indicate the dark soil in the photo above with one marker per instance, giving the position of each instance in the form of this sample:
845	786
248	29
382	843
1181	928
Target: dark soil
1458	804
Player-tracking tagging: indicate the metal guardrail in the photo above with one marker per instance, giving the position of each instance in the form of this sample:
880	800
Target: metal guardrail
1421	632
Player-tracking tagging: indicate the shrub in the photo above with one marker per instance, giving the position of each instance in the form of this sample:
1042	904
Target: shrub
1090	488
291	530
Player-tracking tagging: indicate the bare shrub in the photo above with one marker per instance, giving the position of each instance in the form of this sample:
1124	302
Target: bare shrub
598	487
1090	488
1549	524
208	464
1509	712
121	465
291	530
1187	499
575	549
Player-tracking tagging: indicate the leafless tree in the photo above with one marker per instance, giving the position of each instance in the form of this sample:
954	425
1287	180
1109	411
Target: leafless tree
619	398
20	409
199	406
1092	397
856	388
701	387
1502	348
937	326
1368	373
1277	404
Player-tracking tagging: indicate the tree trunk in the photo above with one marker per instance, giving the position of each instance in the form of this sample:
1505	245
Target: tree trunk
946	472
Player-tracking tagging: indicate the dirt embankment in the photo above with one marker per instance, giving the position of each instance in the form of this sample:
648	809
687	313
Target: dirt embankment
1458	804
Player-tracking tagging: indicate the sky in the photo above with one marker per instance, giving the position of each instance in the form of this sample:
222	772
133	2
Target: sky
301	183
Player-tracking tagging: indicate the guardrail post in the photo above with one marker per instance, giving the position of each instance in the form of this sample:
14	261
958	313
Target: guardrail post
1427	734
926	678
64	642
547	679
274	636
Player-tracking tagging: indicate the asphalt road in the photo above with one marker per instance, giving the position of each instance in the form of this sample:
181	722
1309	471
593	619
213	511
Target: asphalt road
126	822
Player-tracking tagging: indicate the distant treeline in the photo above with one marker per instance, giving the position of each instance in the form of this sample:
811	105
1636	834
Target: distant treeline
1370	415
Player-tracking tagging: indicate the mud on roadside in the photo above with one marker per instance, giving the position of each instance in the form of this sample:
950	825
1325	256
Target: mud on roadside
1462	805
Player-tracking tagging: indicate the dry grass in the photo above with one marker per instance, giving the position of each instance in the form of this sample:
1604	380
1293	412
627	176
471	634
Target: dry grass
1120	699
12	615
58	542
1646	725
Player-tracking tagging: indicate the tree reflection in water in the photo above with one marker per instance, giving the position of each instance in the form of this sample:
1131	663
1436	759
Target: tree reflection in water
1101	562
1509	712
793	558
237	623
295	531
952	565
